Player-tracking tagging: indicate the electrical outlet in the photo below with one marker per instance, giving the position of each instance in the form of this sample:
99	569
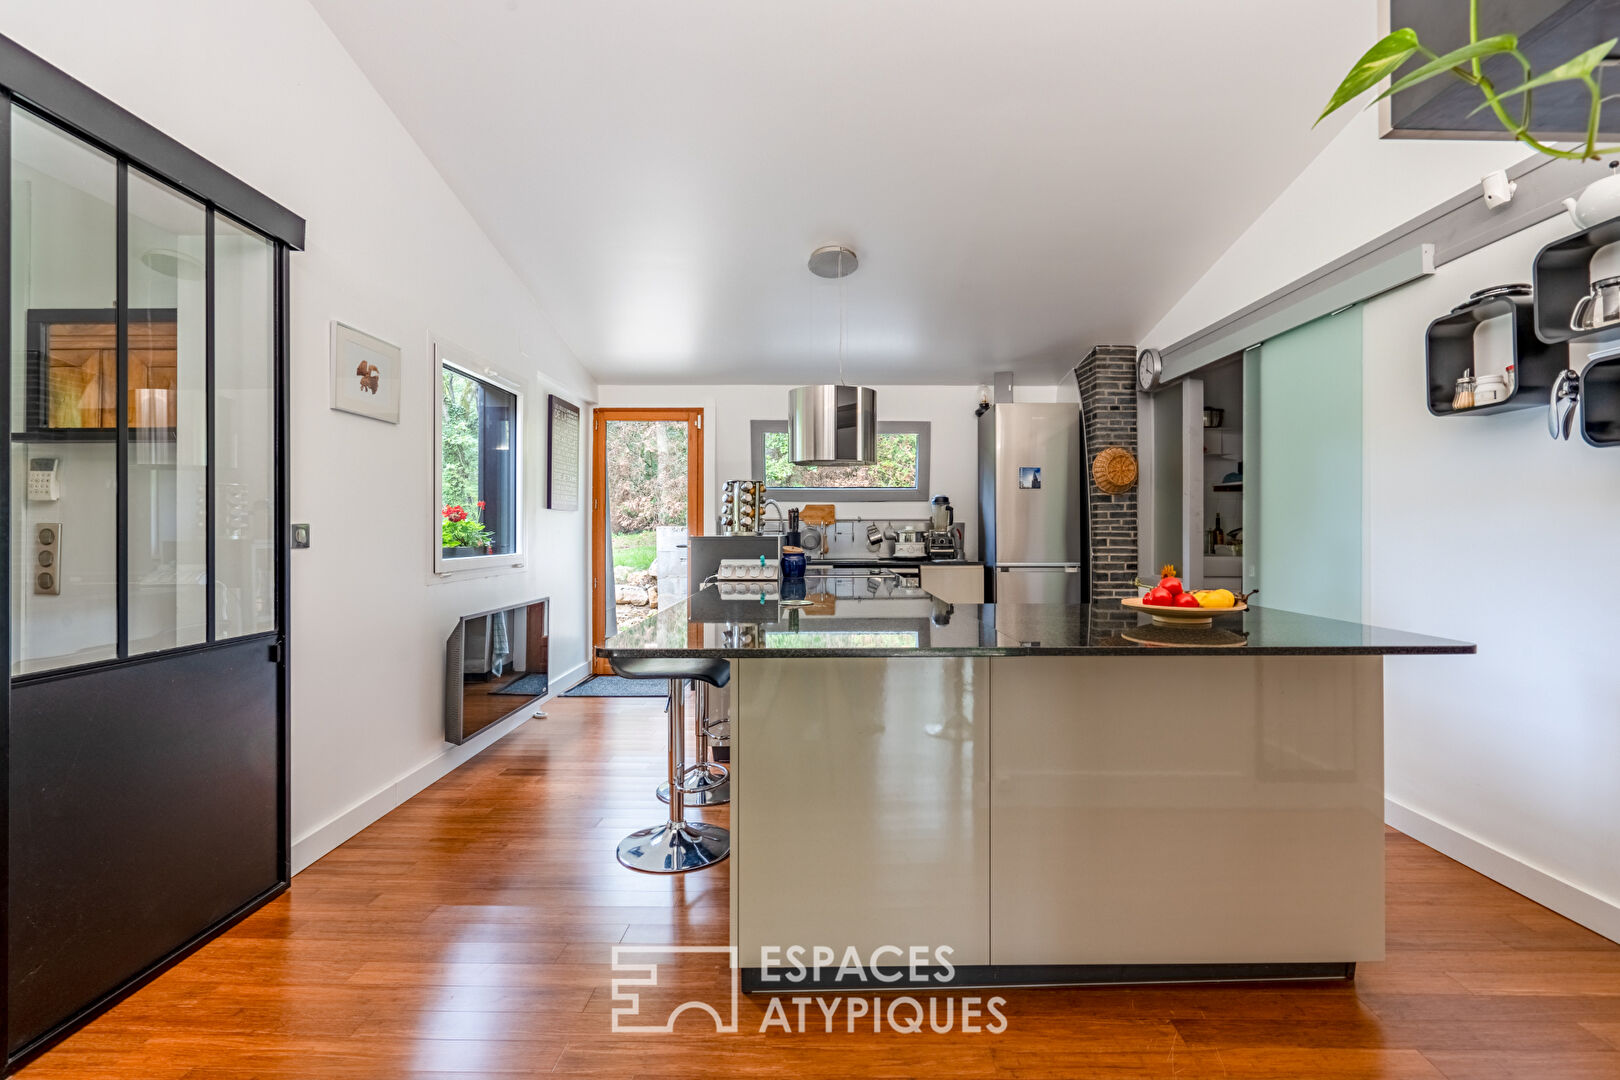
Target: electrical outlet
300	536
47	568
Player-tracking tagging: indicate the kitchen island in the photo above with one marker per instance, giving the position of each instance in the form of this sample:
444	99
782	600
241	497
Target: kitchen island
1030	789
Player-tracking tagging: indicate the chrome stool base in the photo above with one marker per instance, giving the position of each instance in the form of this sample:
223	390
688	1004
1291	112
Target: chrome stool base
679	845
675	847
702	785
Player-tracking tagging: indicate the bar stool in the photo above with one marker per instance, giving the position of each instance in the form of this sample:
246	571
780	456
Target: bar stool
677	845
707	783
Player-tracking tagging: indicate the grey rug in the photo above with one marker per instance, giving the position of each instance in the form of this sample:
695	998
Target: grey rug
619	686
529	686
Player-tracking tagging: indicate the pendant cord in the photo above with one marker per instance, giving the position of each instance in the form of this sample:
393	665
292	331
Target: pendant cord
841	380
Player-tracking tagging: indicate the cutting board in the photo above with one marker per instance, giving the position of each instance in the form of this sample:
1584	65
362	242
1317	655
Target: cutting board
818	514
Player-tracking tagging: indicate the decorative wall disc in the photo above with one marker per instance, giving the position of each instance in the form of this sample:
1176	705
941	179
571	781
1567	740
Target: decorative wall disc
1114	470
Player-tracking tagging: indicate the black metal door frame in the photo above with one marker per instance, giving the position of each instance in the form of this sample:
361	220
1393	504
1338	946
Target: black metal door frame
27	80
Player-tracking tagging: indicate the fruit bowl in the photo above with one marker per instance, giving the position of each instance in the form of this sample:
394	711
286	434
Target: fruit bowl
1181	616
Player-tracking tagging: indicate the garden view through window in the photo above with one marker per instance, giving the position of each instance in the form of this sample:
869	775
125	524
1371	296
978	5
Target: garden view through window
897	468
478	466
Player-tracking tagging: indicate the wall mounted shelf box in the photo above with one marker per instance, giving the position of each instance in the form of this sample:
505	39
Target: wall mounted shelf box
1600	402
1449	351
1562	274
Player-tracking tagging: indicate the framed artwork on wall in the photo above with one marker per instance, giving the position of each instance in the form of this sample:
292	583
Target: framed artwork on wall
365	374
562	438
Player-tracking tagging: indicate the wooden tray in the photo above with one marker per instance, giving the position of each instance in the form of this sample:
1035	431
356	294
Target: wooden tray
1181	616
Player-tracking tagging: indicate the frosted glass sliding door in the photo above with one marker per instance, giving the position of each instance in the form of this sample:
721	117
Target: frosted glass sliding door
1306	553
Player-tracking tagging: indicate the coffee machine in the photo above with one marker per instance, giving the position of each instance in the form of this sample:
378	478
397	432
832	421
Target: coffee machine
944	539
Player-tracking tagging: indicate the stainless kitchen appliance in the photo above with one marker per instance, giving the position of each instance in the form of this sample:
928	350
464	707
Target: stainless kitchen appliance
1032	520
911	543
945	544
944	535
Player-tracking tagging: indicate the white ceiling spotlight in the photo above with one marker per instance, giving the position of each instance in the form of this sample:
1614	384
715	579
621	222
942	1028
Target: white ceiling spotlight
833	423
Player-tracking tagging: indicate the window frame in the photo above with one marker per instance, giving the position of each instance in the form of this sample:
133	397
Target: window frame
757	430
446	355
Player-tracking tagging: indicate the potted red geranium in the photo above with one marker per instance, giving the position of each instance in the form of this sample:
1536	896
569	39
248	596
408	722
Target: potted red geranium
463	534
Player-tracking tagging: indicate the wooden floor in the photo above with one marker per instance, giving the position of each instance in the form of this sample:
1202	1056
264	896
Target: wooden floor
468	934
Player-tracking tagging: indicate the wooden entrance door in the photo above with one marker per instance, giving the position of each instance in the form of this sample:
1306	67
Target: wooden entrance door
646	499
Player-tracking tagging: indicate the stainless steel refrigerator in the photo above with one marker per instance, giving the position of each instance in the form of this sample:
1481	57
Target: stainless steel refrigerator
1032	494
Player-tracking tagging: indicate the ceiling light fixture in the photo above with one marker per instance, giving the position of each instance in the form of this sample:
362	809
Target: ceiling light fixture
833	423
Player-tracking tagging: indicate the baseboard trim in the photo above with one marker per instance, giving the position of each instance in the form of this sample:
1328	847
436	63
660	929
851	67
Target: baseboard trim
1594	912
327	836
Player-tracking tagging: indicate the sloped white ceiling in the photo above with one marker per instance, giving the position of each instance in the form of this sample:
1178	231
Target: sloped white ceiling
1021	178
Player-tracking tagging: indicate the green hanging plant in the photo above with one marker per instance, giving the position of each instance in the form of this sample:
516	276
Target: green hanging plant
1395	49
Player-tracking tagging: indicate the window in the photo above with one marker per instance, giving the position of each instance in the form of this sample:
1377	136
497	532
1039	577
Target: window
478	509
900	473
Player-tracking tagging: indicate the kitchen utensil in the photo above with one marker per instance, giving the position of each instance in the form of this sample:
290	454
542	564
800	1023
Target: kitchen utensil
1181	616
793	562
1566	394
812	538
874	537
1464	396
943	513
818	514
1600	307
1517	288
742	507
1599	202
1489	389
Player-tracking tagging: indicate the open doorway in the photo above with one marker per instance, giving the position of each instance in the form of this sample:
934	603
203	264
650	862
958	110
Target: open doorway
1222	482
646	500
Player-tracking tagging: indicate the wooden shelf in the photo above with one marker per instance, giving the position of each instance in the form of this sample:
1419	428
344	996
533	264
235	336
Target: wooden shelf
1562	274
1449	351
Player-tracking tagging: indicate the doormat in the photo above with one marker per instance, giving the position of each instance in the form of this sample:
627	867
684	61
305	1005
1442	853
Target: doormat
529	686
619	686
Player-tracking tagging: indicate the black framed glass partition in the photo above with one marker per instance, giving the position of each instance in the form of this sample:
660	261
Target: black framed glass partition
143	438
143	517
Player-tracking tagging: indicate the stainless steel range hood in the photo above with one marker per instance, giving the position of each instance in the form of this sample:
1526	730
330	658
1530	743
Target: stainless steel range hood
831	424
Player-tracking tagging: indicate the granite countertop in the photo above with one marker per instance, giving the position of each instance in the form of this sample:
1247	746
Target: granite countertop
861	615
885	561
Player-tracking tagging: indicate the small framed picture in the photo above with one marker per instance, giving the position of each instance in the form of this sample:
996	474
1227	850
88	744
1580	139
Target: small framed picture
1029	476
365	374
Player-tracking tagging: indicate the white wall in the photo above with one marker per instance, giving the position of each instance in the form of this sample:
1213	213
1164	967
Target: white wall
1477	528
727	411
267	93
1357	189
1483	528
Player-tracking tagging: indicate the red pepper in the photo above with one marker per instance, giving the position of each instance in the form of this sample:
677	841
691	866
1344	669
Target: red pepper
1159	596
1173	584
1187	599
